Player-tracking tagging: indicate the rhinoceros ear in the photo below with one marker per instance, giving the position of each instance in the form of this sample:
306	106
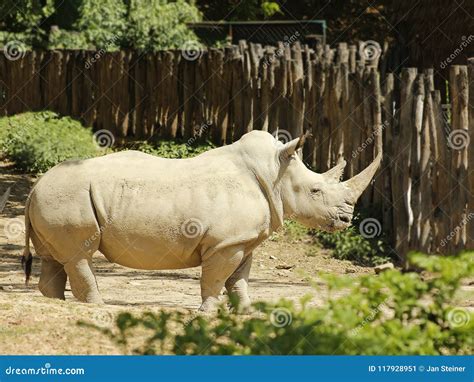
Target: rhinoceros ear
292	146
334	174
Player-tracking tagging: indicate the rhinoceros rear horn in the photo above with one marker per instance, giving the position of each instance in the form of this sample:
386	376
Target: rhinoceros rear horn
358	183
292	146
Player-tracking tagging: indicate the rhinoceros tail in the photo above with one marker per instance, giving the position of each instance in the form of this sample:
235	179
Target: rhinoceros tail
27	258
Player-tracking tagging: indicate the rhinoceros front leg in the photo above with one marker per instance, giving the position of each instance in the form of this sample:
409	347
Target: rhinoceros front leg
237	283
216	269
82	280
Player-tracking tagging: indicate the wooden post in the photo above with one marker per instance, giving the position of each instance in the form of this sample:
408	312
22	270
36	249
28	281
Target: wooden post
425	223
388	132
297	95
419	98
441	177
459	143
470	210
403	211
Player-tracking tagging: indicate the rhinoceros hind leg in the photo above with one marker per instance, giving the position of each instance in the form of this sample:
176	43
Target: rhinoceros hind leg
53	278
216	269
237	283
82	280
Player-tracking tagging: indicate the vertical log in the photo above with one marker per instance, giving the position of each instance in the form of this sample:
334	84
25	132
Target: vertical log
225	79
441	177
388	158
189	69
297	95
459	143
425	170
366	134
89	97
378	192
265	88
276	93
247	118
122	94
470	210
318	129
403	212
419	99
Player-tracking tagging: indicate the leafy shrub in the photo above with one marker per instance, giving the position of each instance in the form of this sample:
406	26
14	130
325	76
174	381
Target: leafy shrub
351	245
348	244
39	141
159	24
139	24
171	149
393	313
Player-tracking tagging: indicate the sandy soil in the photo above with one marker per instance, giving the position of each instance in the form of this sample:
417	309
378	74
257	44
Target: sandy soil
33	324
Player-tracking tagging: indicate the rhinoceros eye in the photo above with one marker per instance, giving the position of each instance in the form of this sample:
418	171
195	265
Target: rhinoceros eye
316	191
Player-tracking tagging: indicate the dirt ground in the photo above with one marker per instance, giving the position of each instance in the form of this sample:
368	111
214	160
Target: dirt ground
33	324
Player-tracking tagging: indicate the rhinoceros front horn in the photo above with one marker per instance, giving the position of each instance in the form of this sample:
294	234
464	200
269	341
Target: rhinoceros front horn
358	183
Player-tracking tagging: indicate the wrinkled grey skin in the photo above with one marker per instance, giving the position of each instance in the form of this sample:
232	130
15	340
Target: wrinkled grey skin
145	212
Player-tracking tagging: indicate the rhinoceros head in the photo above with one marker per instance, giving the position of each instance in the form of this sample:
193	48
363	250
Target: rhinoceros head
320	201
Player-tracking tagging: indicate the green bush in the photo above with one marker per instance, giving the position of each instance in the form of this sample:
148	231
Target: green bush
144	25
39	141
348	244
171	149
158	24
393	313
351	245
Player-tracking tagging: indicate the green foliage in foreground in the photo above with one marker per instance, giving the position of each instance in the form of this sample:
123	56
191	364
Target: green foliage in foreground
393	313
38	141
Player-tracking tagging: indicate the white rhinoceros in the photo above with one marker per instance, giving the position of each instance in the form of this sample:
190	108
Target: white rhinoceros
146	212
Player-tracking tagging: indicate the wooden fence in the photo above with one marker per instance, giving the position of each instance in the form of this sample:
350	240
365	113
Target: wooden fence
423	195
